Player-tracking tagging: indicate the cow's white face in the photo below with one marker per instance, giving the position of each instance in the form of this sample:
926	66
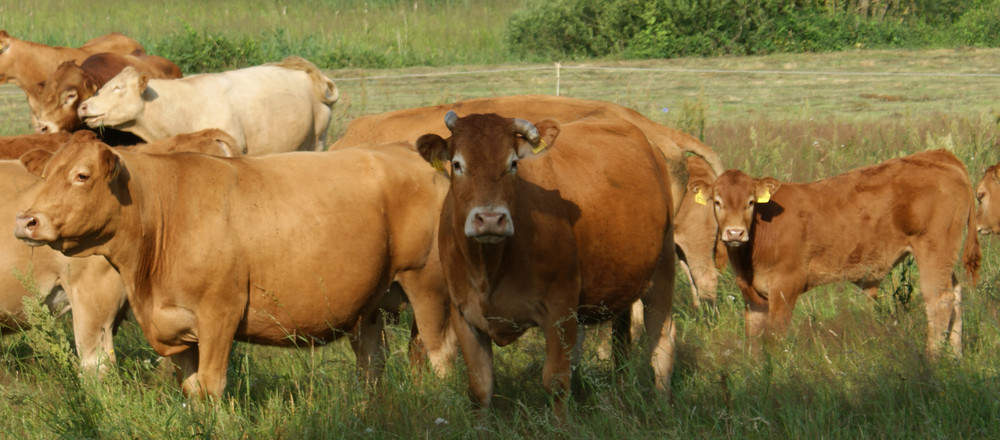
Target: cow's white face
118	102
988	214
735	196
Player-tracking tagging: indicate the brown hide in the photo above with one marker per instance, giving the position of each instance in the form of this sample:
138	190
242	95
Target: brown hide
786	238
408	125
286	249
12	147
28	63
699	250
70	84
575	232
988	213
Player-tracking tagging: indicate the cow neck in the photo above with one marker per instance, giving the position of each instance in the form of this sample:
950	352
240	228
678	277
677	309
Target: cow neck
151	128
41	55
483	261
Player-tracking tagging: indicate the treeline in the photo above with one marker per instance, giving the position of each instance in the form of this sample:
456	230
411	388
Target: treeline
561	29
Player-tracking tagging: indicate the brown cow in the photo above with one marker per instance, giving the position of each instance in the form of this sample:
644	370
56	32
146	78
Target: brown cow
407	125
29	63
786	238
552	237
90	286
699	249
988	215
70	84
287	249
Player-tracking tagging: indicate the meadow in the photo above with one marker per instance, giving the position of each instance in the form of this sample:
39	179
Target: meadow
850	368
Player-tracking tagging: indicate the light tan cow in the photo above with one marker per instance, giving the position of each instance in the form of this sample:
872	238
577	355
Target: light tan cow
409	124
786	238
28	63
89	286
289	249
70	84
552	226
274	108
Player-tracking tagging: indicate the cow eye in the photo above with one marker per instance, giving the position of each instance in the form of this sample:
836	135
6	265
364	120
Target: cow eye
81	178
513	167
980	195
456	167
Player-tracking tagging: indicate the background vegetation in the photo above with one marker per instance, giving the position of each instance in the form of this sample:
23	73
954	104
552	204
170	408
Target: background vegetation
851	368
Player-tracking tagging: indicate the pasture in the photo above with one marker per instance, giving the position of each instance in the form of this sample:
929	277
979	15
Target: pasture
850	368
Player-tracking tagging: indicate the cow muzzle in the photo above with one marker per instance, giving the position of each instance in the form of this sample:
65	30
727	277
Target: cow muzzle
27	229
489	225
735	236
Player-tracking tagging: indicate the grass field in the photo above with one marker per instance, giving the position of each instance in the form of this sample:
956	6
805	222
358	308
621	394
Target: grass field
851	368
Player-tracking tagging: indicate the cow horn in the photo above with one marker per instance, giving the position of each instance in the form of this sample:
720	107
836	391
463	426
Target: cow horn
449	119
526	129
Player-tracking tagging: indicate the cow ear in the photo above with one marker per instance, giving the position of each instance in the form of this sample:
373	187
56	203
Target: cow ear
766	187
112	163
699	188
434	149
548	131
34	161
994	173
84	135
143	81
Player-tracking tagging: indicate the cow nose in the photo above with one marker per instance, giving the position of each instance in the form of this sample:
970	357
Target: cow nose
734	236
82	109
490	221
489	224
26	226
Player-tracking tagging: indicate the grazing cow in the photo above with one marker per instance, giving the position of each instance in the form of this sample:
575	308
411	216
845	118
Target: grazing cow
699	249
552	226
786	238
29	63
274	108
70	84
89	286
408	125
287	249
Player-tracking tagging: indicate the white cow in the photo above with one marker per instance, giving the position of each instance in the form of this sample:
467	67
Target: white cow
274	108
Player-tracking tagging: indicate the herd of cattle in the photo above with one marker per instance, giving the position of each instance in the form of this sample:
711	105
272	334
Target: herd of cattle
525	211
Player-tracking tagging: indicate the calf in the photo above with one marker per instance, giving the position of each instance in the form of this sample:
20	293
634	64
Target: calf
786	238
552	226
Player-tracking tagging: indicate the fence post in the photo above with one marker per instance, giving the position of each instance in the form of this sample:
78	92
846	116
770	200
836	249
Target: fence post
557	77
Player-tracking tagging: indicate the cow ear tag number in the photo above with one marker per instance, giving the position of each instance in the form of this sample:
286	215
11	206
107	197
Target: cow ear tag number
700	198
766	197
541	146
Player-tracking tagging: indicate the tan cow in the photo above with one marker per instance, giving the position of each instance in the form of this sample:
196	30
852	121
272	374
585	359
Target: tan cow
274	108
988	214
28	63
552	226
408	125
289	249
70	84
89	286
786	238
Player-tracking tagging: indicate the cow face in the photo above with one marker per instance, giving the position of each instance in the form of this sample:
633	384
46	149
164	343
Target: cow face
61	95
484	151
735	195
988	214
6	58
79	195
117	102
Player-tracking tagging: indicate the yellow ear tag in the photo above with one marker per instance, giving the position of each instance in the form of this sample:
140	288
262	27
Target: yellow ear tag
700	198
541	146
764	198
438	165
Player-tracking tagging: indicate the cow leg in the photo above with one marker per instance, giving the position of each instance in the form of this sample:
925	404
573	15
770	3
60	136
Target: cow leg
938	286
428	295
477	349
369	344
658	317
560	338
754	321
695	300
186	371
781	303
97	298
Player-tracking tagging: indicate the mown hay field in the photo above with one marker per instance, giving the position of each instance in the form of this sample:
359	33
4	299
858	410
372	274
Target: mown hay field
851	367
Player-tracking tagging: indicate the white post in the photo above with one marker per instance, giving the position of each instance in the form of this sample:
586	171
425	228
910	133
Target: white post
557	77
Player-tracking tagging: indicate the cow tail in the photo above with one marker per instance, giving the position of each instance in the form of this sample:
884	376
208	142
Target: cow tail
972	255
324	87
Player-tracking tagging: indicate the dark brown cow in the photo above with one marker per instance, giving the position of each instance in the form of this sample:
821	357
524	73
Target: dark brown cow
70	84
553	227
287	249
29	63
786	238
409	124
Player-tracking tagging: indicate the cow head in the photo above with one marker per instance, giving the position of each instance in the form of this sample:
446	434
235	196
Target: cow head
117	102
735	196
6	59
61	95
988	214
484	151
80	193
